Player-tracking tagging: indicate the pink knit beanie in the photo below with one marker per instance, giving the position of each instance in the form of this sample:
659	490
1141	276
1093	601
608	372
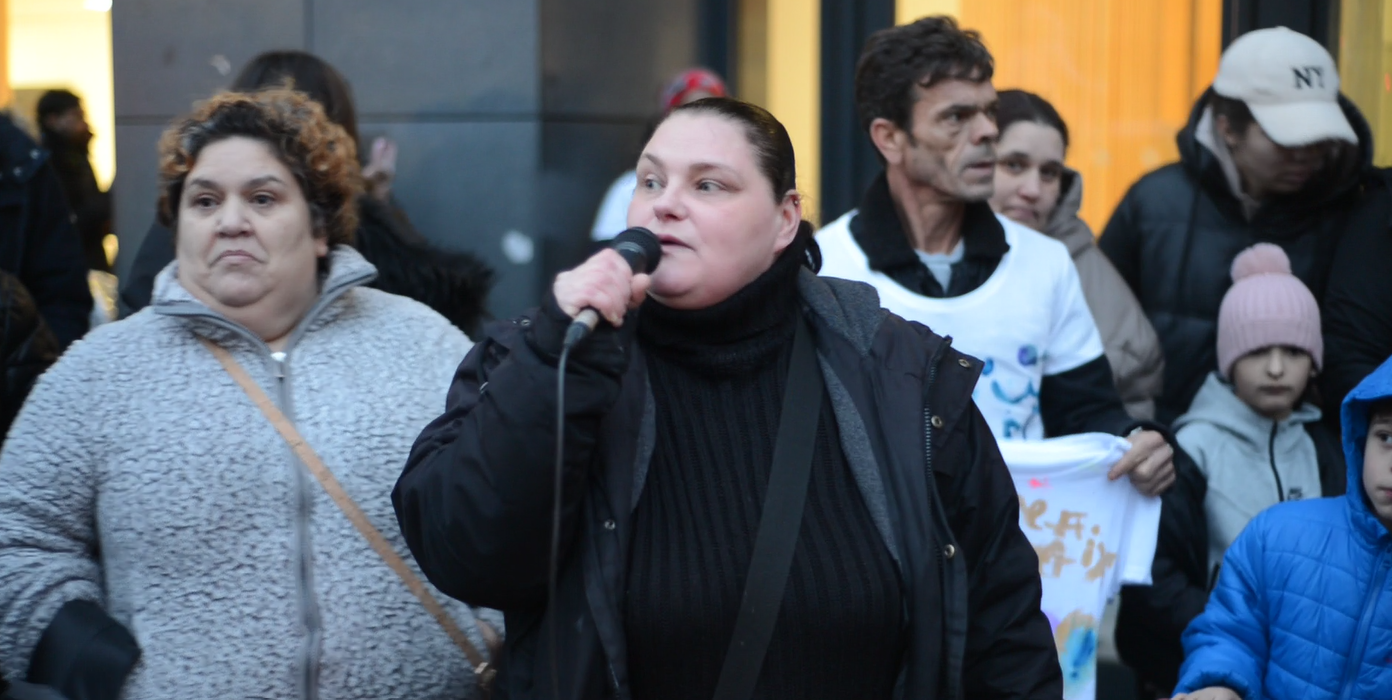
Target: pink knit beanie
1266	306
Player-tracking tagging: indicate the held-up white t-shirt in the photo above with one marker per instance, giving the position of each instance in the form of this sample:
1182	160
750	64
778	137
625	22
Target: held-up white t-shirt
1029	320
1092	535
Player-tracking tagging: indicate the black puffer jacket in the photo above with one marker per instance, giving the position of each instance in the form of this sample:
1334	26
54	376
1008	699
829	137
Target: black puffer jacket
475	500
454	284
27	347
1357	309
1175	234
37	241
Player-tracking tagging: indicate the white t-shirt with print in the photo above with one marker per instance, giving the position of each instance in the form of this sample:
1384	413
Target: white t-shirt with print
1092	535
1027	321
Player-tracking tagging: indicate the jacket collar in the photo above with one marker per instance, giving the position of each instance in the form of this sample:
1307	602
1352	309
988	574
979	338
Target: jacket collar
347	269
880	234
1064	224
1206	134
1217	405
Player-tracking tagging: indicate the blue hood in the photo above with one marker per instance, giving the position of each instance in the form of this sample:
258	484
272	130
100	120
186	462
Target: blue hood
1354	417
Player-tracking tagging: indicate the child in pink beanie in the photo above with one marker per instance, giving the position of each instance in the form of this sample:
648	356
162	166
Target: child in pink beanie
1249	429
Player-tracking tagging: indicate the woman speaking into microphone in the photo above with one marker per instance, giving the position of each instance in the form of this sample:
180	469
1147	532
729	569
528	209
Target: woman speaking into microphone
769	486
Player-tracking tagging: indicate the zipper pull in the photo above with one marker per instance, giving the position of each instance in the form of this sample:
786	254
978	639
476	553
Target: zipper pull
279	358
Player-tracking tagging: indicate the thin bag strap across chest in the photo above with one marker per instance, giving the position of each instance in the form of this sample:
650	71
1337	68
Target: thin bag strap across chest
780	523
355	514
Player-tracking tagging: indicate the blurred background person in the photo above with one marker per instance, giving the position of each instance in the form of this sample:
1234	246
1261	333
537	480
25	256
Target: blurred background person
164	542
687	86
454	284
38	245
1035	188
66	134
27	348
1273	153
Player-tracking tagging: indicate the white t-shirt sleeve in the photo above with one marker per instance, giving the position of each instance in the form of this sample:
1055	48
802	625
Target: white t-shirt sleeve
612	218
1139	539
1073	339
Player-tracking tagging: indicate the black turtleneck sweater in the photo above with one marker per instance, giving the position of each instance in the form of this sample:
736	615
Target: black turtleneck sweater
717	377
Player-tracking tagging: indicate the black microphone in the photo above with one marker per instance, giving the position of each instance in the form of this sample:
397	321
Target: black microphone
643	252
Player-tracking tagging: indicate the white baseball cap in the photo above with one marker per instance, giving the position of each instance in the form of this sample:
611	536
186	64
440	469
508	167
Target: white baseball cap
1289	82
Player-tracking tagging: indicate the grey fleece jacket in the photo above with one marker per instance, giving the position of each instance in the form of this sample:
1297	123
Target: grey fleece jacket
140	476
1244	456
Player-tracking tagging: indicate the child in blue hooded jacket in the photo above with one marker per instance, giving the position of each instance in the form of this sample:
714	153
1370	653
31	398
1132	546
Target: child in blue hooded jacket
1303	606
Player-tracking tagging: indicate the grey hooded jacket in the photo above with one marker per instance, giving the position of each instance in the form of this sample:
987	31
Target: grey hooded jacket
1251	462
1132	348
140	477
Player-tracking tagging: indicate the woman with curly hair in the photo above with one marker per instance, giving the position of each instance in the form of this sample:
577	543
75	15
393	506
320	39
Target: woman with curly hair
169	540
453	283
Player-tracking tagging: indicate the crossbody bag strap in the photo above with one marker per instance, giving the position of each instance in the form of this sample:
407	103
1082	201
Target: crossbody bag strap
779	524
355	514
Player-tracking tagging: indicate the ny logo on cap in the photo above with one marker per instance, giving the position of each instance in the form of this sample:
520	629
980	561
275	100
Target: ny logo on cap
1306	76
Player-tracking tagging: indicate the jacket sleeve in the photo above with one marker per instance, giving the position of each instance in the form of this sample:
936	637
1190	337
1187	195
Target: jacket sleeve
1152	618
1227	645
1357	312
1146	380
1010	651
1121	241
54	269
156	251
1132	348
52	626
475	500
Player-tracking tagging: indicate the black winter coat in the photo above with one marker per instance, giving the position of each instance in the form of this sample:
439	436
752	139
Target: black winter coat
454	284
1357	309
27	347
475	503
1175	234
37	241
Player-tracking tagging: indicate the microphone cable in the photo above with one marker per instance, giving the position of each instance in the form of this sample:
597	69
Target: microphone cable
642	251
554	569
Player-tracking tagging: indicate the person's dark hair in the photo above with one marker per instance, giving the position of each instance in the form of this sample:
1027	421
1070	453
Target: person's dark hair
318	152
922	54
55	102
1020	106
1381	408
773	151
1236	111
306	73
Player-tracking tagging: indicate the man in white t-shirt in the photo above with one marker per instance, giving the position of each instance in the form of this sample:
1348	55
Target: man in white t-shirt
927	239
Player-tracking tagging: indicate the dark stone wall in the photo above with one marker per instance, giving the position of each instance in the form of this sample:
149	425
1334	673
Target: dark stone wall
512	116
